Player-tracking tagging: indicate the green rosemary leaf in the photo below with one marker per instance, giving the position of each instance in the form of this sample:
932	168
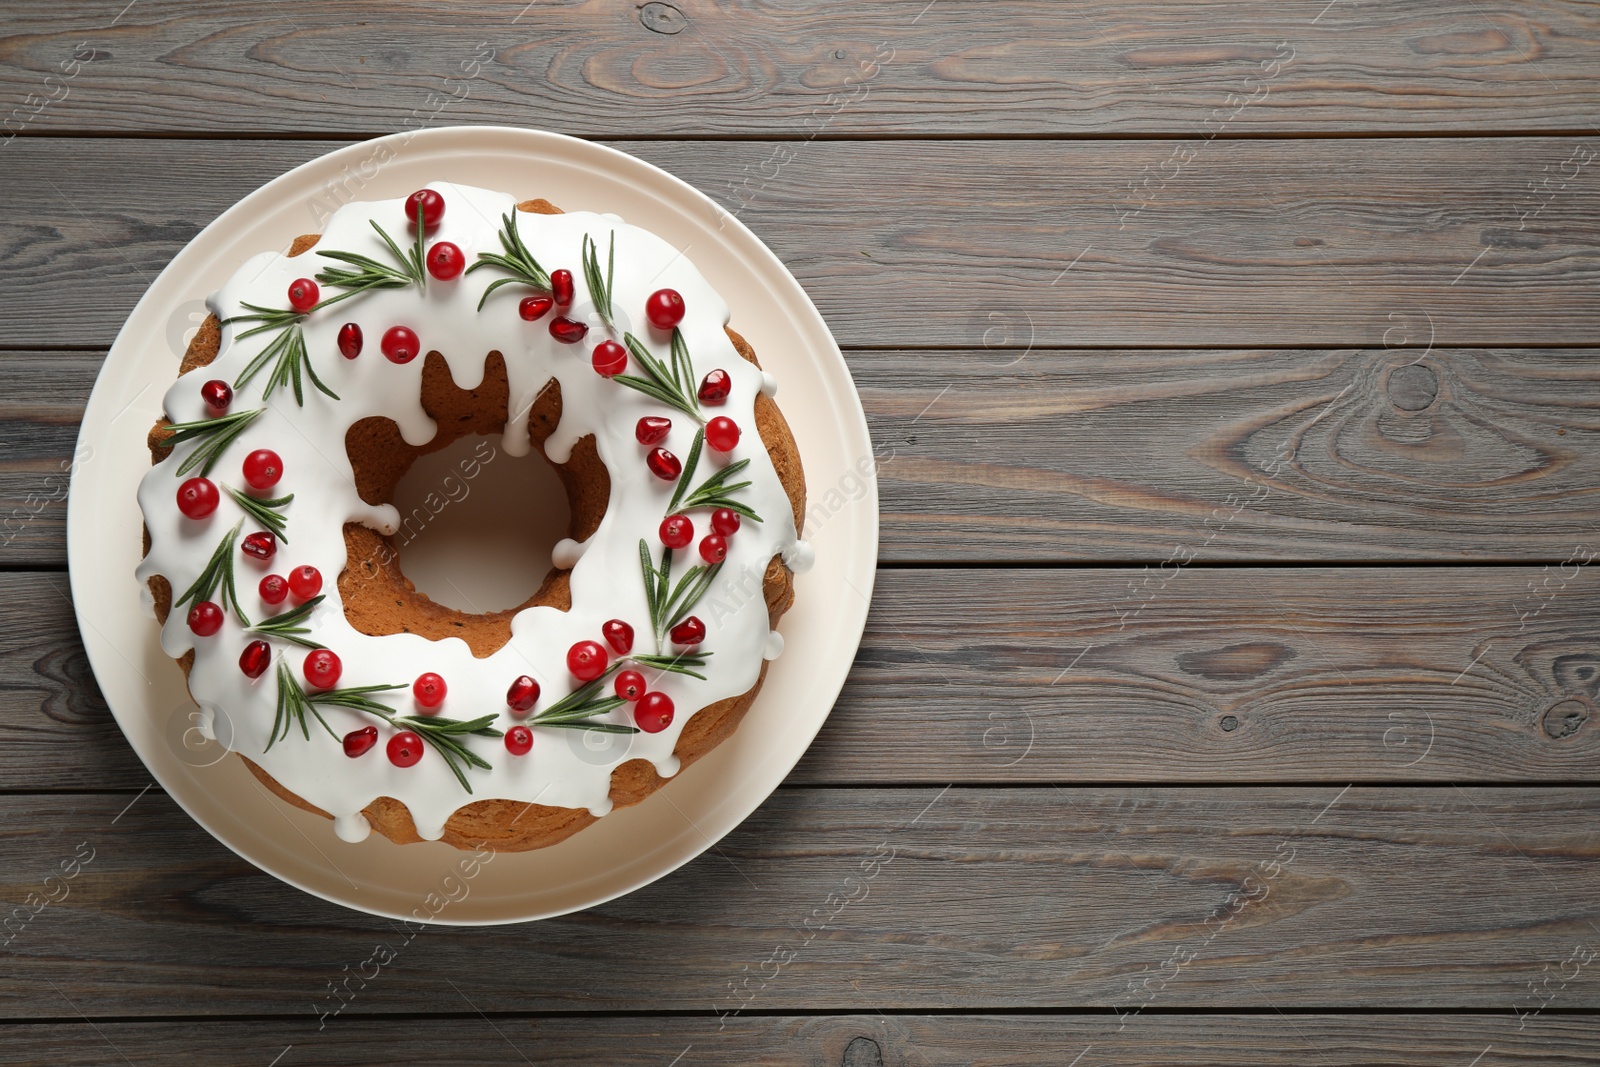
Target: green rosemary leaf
268	318
517	261
218	573
600	288
648	566
214	435
287	625
293	706
690	589
659	382
689	466
683	664
682	365
593	727
264	512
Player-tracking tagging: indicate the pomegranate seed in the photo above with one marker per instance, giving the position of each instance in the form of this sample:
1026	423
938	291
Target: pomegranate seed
405	749
303	294
653	713
619	635
664	308
586	660
205	618
725	521
630	685
430	203
519	740
445	261
305	582
690	631
263	468
254	659
533	308
400	344
262	545
218	395
561	287
715	387
663	464
274	589
652	430
360	742
722	433
350	347
429	689
610	359
676	531
197	498
322	668
523	694
713	548
568	331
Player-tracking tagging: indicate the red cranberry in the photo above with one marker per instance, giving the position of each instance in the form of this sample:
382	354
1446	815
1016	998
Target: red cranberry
303	294
619	635
664	308
261	544
360	742
274	589
400	344
322	668
218	395
263	468
653	713
205	618
430	203
690	631
561	287
429	689
663	464
630	685
305	582
533	308
568	331
725	521
254	659
519	740
715	387
523	694
350	346
405	749
652	430
586	660
676	531
197	498
722	433
445	261
713	548
610	359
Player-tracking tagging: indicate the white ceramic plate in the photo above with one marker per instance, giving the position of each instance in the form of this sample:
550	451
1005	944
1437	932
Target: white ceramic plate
631	847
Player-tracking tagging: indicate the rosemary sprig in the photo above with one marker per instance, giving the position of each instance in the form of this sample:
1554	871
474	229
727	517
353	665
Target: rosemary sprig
573	711
369	273
292	707
214	435
714	492
218	574
264	512
286	352
287	625
600	288
689	466
517	260
442	734
682	664
670	604
672	386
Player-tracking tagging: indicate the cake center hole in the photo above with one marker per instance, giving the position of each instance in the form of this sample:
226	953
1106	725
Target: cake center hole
477	525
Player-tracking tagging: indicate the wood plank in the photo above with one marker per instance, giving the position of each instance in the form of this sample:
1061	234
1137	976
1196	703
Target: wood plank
1007	676
1356	243
866	1040
1358	455
997	899
692	68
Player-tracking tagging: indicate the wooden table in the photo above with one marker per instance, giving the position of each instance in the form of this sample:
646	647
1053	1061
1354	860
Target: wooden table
1227	692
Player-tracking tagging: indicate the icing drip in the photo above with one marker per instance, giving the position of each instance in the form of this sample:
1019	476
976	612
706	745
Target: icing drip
774	647
769	384
799	557
567	553
352	828
606	582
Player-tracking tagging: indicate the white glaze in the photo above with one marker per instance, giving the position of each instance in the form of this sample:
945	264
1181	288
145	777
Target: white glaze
774	647
799	557
565	768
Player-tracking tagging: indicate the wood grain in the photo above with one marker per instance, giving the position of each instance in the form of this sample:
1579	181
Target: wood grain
919	899
692	67
1004	676
988	455
1020	244
866	1040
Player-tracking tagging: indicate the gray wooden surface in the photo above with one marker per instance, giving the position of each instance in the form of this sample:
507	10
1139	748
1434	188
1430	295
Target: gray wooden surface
1236	431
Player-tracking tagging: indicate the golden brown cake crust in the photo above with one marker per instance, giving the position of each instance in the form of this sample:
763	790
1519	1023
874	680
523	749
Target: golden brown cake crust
379	599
